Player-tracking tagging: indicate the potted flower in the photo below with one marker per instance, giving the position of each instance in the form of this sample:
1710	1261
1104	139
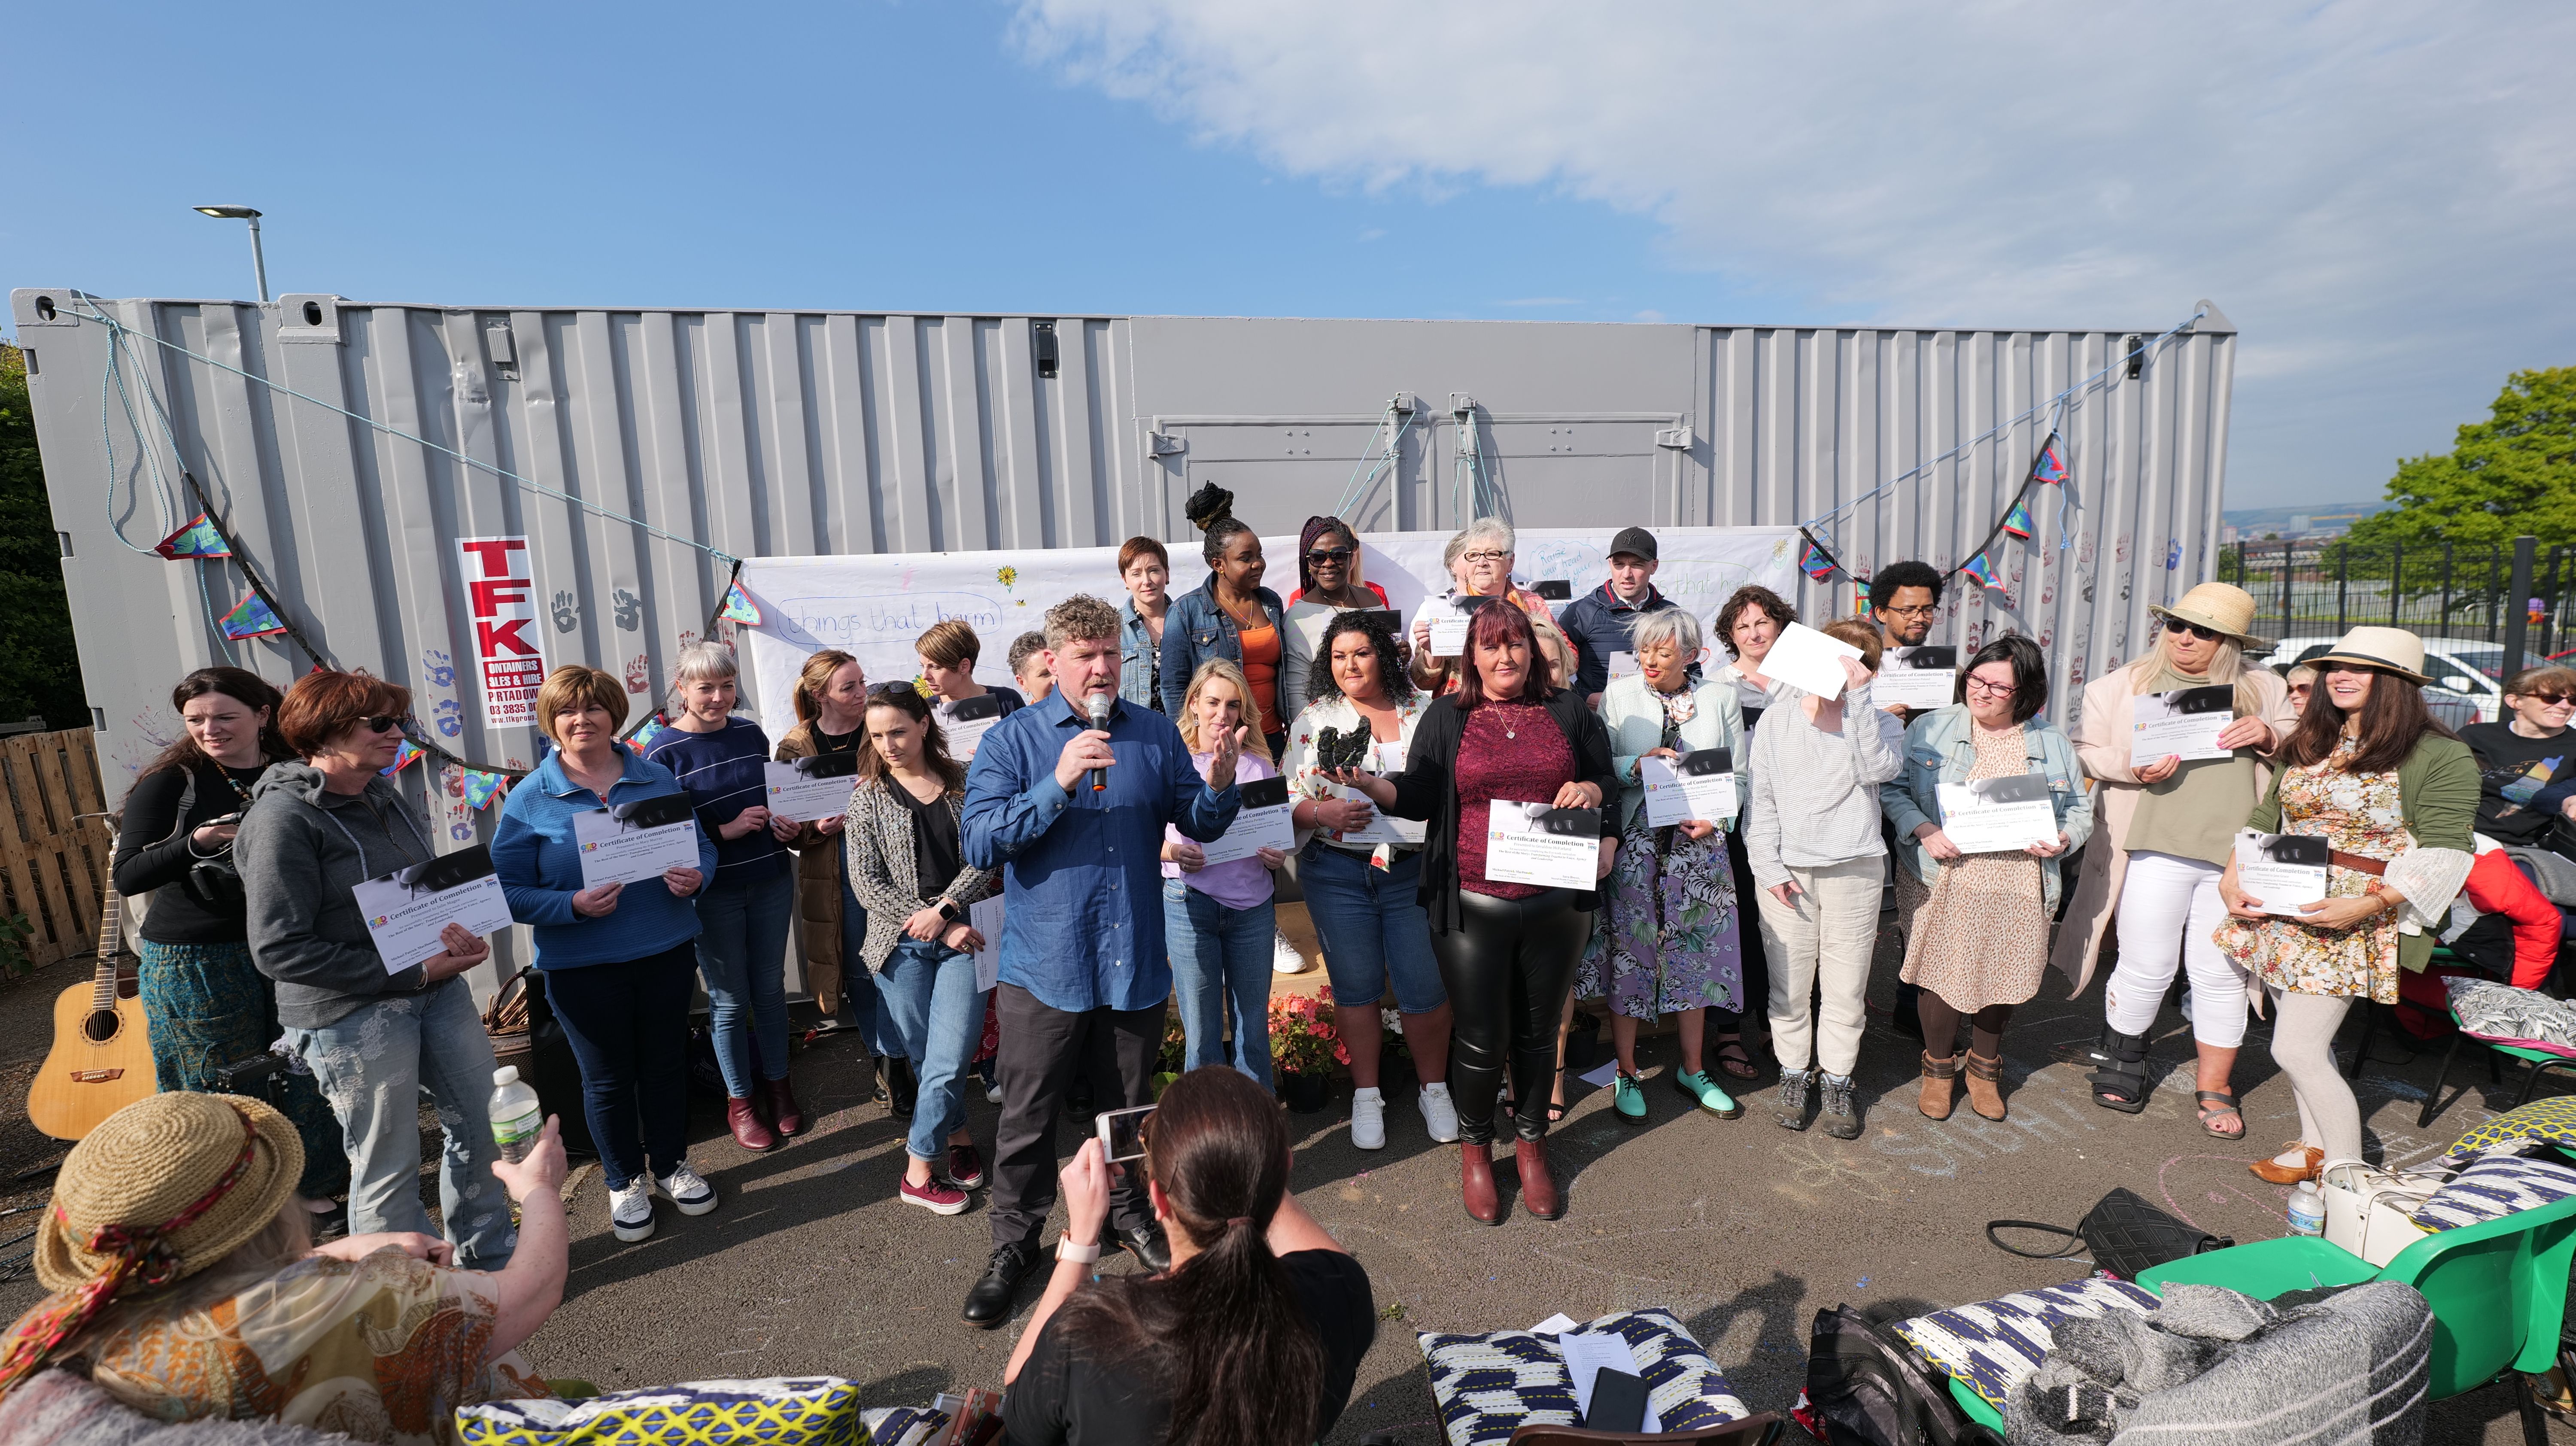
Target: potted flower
1304	1048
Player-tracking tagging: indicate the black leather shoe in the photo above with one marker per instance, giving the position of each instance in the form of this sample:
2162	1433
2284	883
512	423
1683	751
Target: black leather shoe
1147	1244
1077	1100
989	1303
906	1088
884	1093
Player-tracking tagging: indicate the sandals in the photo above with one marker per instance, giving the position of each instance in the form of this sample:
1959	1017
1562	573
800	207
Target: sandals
1733	1061
2226	1108
1556	1107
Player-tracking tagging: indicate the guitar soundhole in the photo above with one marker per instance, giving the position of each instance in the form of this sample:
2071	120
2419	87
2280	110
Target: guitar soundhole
101	1026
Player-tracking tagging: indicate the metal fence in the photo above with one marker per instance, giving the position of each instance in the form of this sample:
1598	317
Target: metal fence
2307	589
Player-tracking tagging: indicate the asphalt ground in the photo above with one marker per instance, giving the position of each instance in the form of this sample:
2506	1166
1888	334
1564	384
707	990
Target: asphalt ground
1742	1229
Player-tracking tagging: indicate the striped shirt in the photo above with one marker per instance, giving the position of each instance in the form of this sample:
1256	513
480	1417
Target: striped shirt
724	773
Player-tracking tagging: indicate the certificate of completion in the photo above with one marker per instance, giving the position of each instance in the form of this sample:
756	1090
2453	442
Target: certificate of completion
407	908
2185	723
1262	823
967	723
635	841
1532	843
1808	661
1920	677
1449	617
2282	871
813	788
1700	785
1999	815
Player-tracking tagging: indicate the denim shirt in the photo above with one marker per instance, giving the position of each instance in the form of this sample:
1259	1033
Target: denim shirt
1137	655
1196	629
1941	747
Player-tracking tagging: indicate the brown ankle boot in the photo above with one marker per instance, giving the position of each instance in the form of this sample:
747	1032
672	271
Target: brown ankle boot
1538	1188
1476	1183
779	1096
1985	1094
748	1131
1940	1087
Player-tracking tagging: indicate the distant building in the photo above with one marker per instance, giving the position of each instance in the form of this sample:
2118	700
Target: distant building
2298	527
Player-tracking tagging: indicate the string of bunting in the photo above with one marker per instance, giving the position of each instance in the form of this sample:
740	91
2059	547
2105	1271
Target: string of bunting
2047	469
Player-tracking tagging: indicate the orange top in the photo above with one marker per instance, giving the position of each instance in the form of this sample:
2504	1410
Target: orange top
1261	670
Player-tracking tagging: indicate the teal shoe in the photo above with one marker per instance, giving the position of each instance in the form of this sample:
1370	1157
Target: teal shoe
1628	1099
1702	1090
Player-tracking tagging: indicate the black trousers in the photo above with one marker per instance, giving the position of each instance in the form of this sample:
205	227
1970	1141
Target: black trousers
1043	1051
1507	967
1756	993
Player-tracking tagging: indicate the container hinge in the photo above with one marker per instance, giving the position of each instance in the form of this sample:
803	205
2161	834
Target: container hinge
1678	438
1167	445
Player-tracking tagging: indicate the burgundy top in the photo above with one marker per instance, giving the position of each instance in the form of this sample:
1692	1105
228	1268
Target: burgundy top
1529	767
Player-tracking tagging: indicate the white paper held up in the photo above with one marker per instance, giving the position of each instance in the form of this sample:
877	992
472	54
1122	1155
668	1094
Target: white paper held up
1809	661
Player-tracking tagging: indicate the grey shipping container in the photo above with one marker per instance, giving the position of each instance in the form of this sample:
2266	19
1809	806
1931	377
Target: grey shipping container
309	422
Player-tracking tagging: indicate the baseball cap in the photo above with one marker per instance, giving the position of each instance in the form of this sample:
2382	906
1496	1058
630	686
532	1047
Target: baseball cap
1636	541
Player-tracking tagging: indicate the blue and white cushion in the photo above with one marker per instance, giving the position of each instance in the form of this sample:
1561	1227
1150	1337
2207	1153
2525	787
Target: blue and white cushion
774	1411
1488	1386
904	1425
1995	1345
2495	1186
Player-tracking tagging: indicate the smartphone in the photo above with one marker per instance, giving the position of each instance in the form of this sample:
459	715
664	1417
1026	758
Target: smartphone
1122	1133
1618	1403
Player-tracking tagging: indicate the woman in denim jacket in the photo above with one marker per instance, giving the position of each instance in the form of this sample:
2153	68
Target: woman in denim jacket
1979	939
1230	616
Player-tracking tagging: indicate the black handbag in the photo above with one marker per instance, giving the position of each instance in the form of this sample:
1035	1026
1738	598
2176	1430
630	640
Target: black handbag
1867	1388
2124	1234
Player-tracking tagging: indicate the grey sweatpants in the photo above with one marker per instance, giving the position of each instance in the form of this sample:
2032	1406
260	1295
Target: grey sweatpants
2303	1034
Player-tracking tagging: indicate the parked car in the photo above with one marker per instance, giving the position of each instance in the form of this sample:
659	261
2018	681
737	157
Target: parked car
2466	673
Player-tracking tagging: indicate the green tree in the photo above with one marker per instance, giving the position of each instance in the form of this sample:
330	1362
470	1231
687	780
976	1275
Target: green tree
2512	474
39	666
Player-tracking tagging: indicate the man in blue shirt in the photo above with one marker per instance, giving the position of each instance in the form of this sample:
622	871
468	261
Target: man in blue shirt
1073	815
1598	621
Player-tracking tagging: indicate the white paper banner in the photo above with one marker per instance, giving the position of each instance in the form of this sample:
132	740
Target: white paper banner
874	606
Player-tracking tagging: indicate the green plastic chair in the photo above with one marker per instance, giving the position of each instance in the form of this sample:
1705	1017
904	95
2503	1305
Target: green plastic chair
2540	1060
2498	1293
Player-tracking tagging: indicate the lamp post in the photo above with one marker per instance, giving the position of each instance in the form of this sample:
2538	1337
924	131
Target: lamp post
258	262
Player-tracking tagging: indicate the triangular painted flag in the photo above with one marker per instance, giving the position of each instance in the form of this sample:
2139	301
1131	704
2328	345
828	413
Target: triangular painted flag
481	787
652	729
404	757
2050	468
2018	522
1815	564
197	539
1979	571
739	606
250	618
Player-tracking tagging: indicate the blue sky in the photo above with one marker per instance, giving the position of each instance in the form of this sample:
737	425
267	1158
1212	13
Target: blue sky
2390	245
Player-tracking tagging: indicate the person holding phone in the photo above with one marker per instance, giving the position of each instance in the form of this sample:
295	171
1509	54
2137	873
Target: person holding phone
1978	941
620	960
1668	941
1507	950
745	908
1218	919
908	867
375	1032
205	1003
1812	833
1254	1334
2370	770
2167	827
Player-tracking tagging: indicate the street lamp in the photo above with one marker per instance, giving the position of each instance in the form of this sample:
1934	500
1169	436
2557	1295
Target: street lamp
258	263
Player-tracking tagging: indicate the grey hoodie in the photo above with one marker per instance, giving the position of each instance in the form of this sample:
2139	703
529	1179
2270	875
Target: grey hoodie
300	851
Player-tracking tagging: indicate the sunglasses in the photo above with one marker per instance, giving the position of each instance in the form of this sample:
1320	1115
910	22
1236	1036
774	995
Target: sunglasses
2549	700
1324	555
383	723
2206	635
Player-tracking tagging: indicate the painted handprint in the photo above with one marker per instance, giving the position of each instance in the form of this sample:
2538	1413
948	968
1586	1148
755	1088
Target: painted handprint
435	667
629	610
567	610
450	717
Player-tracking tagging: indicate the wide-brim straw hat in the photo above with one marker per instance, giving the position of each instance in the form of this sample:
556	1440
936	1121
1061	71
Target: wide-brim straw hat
2219	607
2390	650
147	1164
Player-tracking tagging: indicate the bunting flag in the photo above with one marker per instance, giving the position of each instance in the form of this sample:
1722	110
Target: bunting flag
197	539
1815	564
250	618
2018	522
2050	469
404	757
739	606
646	734
481	788
1981	572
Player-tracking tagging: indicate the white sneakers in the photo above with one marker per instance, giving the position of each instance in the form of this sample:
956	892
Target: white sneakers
1368	1119
690	1194
630	1211
1284	958
1438	1114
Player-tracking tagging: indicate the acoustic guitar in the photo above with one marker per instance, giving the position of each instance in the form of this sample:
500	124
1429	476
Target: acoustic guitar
102	1055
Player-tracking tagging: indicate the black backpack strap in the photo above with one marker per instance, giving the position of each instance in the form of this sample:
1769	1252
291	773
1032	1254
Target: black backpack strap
2074	1238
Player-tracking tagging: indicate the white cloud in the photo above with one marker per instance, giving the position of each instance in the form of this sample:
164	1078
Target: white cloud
2379	193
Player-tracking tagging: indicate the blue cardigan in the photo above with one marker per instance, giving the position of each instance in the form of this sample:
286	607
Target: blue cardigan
540	868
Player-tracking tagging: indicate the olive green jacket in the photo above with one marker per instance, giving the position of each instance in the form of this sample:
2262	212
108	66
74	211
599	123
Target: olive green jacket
2437	789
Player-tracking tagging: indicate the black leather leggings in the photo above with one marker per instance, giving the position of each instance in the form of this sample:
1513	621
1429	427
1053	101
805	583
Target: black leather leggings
1507	966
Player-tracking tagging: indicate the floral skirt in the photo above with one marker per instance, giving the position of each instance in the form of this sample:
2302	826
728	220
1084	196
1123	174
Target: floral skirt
1667	939
2359	962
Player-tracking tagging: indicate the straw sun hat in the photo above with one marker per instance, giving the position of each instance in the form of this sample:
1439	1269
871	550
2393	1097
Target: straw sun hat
229	1159
2390	650
2219	607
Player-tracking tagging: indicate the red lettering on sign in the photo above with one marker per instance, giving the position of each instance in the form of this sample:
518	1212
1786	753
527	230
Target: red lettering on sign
493	638
488	596
494	552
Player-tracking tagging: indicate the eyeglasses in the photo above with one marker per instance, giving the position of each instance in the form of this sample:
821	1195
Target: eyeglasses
1925	611
2548	700
1990	690
1485	557
383	723
2206	635
1324	555
2301	690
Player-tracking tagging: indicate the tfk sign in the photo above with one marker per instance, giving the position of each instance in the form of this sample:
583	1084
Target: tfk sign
501	597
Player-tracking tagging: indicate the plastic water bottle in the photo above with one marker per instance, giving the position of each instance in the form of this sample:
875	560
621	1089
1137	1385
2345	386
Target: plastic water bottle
517	1118
2307	1209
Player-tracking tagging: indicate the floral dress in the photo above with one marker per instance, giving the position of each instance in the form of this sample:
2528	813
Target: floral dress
1978	935
2357	813
1670	942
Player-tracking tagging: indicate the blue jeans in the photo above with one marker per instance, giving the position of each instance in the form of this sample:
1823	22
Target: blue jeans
1371	929
743	957
932	1013
858	986
372	1064
1221	960
628	1025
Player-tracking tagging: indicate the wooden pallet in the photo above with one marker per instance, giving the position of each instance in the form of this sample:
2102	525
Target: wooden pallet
54	861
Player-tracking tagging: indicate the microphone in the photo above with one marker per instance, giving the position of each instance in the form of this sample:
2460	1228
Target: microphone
1097	705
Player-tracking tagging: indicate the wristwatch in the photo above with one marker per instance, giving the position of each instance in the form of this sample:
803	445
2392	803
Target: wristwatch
1065	1249
948	910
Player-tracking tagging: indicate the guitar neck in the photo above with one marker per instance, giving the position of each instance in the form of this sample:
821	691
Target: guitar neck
111	944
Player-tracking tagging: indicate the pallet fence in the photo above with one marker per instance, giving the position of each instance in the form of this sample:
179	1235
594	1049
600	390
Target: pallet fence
53	861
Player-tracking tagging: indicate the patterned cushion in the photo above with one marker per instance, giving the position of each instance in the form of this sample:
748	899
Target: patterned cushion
2496	1186
904	1425
1993	1346
2553	1120
1489	1386
779	1411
